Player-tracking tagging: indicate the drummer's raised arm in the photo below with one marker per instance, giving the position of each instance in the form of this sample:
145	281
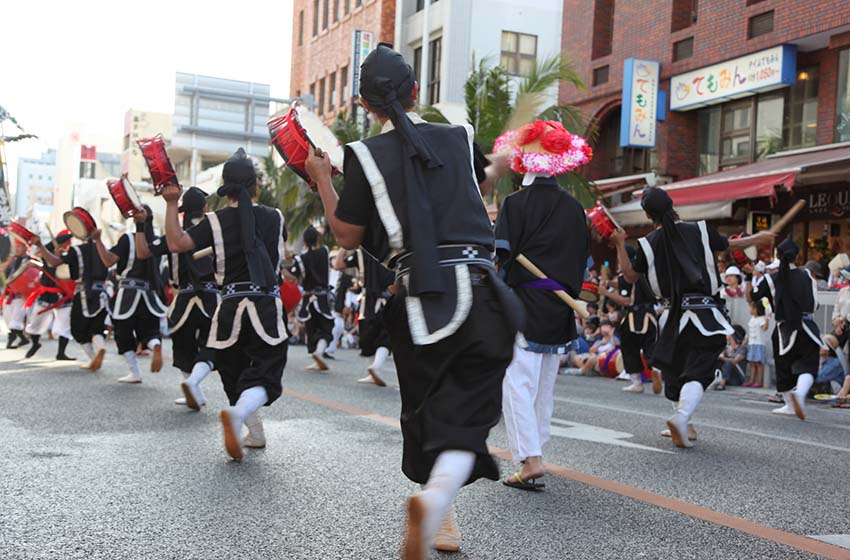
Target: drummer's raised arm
48	256
142	249
178	240
108	257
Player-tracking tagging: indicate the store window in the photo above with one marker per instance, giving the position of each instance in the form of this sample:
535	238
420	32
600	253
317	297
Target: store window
519	52
736	134
769	127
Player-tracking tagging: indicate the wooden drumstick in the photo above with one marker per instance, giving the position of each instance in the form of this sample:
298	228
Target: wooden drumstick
786	219
574	305
197	255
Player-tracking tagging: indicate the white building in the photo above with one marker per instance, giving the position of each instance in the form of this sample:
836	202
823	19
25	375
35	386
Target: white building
36	178
212	118
440	37
141	124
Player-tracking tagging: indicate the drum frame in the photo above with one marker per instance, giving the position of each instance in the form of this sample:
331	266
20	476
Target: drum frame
85	217
118	189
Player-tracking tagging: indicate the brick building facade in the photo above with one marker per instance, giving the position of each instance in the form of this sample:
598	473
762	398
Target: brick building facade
749	132
322	47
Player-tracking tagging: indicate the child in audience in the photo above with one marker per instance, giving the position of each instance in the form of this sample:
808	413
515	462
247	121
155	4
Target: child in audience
757	344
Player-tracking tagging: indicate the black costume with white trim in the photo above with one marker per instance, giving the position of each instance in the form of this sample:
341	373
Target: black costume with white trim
448	319
376	280
248	331
138	305
638	328
316	310
89	308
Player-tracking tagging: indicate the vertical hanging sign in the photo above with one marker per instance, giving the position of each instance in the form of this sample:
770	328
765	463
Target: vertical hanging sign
638	123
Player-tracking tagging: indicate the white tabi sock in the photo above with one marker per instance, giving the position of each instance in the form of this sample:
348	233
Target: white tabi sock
98	343
380	357
336	333
132	363
88	349
200	371
451	470
689	398
804	383
153	343
321	346
250	402
636	378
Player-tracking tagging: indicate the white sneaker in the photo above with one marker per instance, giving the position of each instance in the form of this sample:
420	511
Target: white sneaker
130	379
623	377
678	426
633	388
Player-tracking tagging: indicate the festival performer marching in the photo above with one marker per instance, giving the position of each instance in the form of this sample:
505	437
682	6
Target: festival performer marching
679	262
412	197
14	313
194	305
374	338
793	292
544	224
311	269
89	308
49	304
248	332
341	287
138	304
638	328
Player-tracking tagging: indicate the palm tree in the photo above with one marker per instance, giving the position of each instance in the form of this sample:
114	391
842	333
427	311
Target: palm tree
492	108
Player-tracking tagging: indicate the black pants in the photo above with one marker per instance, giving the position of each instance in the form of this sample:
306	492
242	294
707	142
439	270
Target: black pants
250	362
373	335
189	342
451	391
696	358
84	328
141	327
634	345
317	328
803	357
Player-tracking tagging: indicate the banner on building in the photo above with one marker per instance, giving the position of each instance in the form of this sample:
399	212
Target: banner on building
88	153
638	122
362	44
762	71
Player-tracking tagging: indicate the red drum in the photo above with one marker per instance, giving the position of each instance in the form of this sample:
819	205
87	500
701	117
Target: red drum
125	196
162	172
296	133
25	280
602	220
611	363
746	256
589	292
79	222
290	295
21	234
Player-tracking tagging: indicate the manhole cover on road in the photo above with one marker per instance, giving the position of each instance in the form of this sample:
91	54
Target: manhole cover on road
47	454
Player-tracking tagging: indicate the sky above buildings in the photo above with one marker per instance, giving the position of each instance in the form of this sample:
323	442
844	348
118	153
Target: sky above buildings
84	64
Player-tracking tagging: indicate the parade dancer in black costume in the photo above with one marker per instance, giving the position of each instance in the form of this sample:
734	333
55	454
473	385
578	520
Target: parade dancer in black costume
412	196
679	262
48	305
14	313
248	332
138	305
311	269
197	297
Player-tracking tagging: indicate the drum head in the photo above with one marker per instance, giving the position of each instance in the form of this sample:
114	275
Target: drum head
63	272
18	272
76	226
320	135
131	193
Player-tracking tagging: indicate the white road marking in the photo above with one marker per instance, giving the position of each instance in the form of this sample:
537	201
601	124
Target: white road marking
711	425
837	540
37	367
595	434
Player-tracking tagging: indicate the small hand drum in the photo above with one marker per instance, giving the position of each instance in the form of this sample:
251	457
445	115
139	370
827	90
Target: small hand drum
21	234
589	292
24	281
79	222
162	172
298	132
602	220
125	196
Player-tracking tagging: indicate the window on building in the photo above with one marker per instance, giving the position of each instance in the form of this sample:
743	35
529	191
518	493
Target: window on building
332	91
335	11
417	62
736	135
600	75
683	49
420	4
321	106
751	2
325	13
87	169
435	51
760	24
343	87
603	28
313	92
769	130
684	14
346	6
842	109
801	110
300	28
315	17
126	141
519	53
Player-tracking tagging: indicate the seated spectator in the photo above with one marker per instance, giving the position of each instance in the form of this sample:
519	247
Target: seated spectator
733	360
817	272
589	362
831	370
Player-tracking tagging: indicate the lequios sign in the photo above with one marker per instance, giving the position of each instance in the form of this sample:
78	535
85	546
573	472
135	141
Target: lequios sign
762	71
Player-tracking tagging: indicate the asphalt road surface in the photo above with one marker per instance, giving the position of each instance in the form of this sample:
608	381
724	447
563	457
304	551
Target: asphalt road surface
94	469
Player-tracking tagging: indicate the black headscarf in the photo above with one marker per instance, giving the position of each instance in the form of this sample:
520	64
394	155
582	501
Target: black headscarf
787	307
658	204
385	81
237	177
192	205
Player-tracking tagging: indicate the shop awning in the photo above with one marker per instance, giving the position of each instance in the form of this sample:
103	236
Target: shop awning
631	214
619	185
755	180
